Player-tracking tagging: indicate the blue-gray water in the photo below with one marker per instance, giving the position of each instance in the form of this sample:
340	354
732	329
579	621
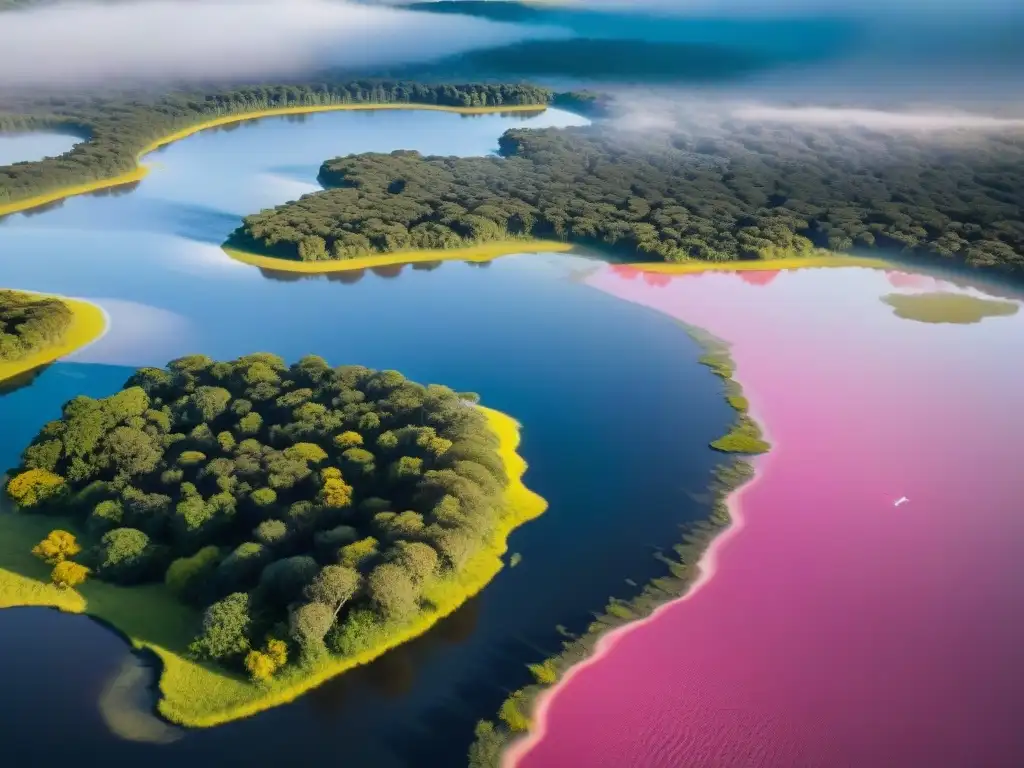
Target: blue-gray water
616	418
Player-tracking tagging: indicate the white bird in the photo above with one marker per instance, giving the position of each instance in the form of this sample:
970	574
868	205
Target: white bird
901	500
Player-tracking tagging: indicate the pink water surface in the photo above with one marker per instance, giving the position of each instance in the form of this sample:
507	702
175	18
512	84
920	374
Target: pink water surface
836	629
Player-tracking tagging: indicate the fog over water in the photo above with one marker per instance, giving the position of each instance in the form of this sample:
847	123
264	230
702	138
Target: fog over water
94	43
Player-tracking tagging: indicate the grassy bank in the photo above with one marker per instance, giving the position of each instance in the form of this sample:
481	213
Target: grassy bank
478	253
825	259
88	324
682	566
140	171
198	695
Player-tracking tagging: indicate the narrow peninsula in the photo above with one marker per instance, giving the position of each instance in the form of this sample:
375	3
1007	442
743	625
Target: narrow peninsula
36	329
683	566
262	527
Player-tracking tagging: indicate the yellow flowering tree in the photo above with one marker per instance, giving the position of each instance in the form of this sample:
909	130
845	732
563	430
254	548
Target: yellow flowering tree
335	492
68	575
261	667
34	486
57	547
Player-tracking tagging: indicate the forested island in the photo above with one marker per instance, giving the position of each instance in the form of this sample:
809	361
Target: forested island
753	192
36	329
302	518
118	128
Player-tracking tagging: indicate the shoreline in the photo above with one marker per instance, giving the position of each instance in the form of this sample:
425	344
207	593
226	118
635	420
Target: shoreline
141	170
498	248
703	539
476	253
240	698
707	567
89	324
767	265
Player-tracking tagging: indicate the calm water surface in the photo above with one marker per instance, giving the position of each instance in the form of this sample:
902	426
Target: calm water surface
837	629
615	415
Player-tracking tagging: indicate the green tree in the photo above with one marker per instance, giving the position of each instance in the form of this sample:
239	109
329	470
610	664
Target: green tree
308	625
123	555
225	630
132	451
392	591
185	575
282	581
334	586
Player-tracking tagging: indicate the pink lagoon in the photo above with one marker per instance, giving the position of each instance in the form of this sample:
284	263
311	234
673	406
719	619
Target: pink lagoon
832	627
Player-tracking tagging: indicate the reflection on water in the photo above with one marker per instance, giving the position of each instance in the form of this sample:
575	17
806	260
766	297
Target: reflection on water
21	380
126	704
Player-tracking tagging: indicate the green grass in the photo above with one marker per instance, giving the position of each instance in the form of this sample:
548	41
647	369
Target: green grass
944	307
199	695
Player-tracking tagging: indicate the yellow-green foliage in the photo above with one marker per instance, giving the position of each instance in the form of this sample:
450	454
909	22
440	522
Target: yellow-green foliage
512	715
34	486
739	402
260	666
182	571
744	437
619	610
348	440
191	458
67	575
358	551
545	673
57	547
278	651
945	307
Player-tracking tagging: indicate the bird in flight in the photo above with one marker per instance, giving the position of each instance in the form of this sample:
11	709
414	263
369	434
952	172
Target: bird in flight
901	500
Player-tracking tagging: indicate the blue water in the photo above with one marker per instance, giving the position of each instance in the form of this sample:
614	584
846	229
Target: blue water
616	418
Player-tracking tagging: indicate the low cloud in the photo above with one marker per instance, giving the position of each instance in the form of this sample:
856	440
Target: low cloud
86	44
877	120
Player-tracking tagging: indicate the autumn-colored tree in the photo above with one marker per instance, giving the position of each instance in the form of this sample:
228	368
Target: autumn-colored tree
57	547
68	575
34	486
348	440
260	666
278	651
335	493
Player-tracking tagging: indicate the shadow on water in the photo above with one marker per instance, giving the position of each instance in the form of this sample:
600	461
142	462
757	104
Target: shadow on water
198	223
21	380
115	191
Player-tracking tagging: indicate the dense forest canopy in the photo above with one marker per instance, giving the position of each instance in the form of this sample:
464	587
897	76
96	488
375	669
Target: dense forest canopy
30	323
302	507
119	127
754	191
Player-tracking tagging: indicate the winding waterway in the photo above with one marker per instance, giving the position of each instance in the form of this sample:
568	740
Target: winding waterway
837	629
616	419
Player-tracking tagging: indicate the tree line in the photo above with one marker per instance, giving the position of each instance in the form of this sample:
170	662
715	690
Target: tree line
118	127
751	192
305	510
30	323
